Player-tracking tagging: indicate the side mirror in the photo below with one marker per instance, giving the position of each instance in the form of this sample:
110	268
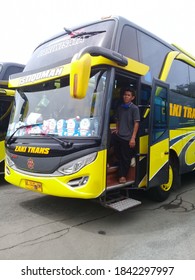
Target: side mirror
79	76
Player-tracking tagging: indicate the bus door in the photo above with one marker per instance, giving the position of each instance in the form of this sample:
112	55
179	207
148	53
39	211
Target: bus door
158	142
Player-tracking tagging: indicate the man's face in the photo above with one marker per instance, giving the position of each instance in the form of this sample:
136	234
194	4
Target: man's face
128	97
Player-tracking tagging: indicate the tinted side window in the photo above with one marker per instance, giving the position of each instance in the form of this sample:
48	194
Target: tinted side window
192	81
128	42
178	77
11	70
152	53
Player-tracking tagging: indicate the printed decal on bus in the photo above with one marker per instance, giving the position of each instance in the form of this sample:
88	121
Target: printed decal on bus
32	150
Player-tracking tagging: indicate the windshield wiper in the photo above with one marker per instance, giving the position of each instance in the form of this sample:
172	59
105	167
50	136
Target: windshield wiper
64	144
20	127
87	34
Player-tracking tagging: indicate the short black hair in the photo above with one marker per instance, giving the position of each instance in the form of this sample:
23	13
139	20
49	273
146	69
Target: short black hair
132	90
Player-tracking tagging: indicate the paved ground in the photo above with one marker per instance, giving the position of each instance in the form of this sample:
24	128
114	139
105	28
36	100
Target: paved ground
35	226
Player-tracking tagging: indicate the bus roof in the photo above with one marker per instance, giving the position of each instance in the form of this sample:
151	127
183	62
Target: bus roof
121	22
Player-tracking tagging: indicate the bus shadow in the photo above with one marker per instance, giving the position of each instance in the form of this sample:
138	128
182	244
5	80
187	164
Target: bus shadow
90	216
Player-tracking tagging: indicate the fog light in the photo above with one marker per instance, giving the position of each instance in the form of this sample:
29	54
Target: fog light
78	182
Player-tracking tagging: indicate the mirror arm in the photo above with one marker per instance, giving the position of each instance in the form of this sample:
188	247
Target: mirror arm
110	54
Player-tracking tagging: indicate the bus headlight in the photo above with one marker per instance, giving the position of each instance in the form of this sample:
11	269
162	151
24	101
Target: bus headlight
75	165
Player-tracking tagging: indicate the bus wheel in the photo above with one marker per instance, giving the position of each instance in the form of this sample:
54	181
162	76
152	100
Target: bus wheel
162	192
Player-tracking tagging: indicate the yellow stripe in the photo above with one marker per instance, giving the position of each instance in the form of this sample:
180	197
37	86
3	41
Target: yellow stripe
157	157
17	82
169	60
179	145
133	66
190	154
167	65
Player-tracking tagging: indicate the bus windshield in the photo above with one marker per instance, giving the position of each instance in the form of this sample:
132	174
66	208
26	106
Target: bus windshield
50	106
67	44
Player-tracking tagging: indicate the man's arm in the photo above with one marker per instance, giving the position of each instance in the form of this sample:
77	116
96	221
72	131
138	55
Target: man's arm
135	130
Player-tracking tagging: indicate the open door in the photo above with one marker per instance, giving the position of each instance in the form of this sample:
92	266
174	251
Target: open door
158	142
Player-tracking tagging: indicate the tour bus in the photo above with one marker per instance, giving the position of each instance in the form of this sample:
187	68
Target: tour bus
58	139
6	99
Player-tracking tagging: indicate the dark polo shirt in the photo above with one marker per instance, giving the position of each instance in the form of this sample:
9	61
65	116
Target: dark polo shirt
126	116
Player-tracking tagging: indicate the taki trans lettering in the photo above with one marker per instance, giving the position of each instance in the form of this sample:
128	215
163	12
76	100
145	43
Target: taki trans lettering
32	150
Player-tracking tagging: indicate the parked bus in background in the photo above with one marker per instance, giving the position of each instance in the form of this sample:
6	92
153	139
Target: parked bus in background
6	100
58	139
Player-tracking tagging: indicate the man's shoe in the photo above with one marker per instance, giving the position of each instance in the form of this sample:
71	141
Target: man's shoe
122	180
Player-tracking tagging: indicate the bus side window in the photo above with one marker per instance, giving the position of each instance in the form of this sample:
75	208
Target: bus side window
159	113
159	118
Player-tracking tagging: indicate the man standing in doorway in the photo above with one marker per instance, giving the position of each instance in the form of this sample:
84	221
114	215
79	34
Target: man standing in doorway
124	138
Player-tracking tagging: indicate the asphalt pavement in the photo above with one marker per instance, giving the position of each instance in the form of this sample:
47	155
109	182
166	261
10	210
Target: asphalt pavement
35	226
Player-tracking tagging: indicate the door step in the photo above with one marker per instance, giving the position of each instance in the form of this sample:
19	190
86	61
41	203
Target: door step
122	204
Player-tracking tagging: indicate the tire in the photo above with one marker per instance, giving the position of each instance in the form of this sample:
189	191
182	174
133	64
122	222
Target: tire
162	192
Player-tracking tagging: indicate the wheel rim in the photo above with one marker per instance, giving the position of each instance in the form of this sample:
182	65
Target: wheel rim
167	187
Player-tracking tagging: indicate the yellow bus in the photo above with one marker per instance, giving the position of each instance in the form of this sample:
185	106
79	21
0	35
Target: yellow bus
6	99
58	140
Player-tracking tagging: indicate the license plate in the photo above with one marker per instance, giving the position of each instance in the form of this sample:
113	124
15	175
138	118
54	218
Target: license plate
33	186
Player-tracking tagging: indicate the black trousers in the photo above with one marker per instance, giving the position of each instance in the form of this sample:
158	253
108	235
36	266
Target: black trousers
124	154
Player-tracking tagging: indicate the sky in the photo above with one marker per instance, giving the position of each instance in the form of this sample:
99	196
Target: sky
27	23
